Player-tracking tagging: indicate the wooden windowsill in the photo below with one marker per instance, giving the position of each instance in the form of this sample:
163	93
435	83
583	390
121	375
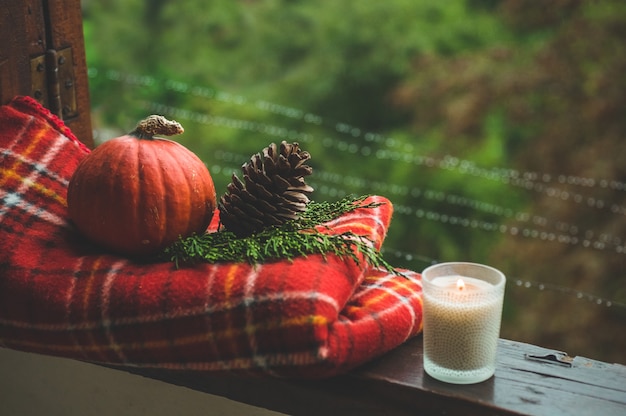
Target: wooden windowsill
396	384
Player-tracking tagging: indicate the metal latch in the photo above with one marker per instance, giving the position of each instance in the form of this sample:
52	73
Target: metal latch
559	358
52	82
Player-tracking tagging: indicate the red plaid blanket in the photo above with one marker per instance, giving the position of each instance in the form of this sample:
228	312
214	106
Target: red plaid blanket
59	295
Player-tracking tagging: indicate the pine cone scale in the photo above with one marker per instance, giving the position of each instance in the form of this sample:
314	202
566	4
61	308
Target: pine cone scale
272	192
295	198
256	189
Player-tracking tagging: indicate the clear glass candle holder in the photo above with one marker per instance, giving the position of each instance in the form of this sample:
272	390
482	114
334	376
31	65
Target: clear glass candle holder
462	316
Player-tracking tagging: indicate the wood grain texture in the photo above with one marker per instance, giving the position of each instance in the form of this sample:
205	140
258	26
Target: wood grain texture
66	30
28	29
396	384
22	30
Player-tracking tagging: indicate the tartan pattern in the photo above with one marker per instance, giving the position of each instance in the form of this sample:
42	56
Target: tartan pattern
62	296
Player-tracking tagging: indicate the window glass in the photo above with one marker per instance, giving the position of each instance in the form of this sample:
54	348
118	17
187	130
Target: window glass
494	126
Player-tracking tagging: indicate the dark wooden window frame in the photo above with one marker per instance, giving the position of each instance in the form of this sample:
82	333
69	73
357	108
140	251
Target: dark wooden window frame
42	55
528	381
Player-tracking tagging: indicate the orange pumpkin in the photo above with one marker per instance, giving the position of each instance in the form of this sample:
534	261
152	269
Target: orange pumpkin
136	194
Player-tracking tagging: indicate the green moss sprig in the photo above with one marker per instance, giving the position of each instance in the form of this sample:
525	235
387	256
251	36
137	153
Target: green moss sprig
288	241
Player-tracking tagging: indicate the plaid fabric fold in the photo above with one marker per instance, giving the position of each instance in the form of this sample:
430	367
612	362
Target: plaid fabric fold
62	296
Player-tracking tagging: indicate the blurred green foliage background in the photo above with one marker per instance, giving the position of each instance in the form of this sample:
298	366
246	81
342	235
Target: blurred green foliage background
494	126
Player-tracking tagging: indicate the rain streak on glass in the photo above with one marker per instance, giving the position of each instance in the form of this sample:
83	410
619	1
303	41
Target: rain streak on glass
352	140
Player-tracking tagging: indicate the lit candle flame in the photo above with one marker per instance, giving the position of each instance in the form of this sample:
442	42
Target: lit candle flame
460	284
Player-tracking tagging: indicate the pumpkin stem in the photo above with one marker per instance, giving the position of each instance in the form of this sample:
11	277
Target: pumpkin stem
154	124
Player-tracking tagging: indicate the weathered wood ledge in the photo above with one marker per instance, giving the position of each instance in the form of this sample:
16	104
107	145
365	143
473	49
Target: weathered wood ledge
396	384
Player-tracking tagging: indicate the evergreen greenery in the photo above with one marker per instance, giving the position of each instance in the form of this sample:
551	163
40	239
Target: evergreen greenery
286	242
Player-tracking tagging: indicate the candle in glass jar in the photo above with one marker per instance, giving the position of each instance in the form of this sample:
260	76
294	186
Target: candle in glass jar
462	317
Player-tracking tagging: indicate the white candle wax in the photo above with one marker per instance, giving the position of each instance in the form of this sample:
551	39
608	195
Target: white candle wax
461	328
461	286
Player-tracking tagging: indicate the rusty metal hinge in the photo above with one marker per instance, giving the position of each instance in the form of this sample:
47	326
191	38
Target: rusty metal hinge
53	82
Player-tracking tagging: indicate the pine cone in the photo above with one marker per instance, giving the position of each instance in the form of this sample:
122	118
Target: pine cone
272	192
